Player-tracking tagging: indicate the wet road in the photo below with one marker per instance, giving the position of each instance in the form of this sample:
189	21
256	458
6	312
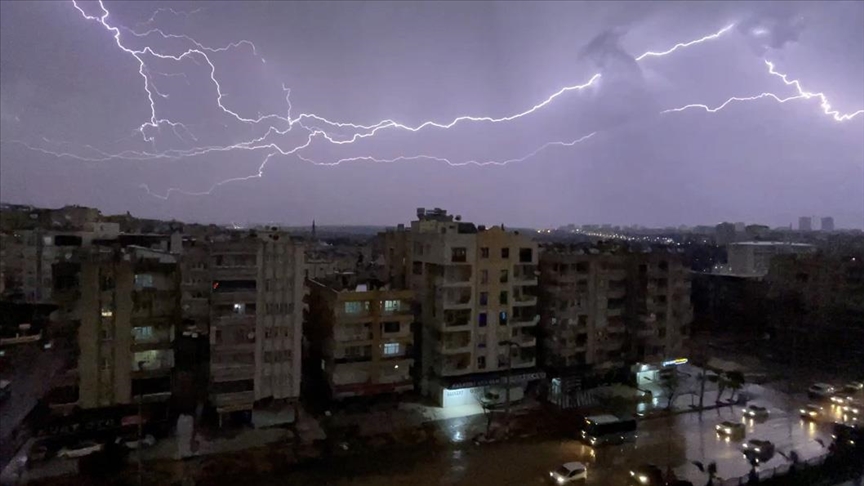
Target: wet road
667	442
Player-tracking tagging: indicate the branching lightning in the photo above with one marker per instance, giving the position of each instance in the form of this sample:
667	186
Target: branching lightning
802	95
315	126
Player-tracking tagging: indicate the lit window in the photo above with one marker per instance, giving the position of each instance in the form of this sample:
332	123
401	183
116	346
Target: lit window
356	307
391	349
142	333
143	281
391	305
107	311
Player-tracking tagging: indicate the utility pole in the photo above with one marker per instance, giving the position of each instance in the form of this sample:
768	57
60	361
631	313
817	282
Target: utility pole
140	428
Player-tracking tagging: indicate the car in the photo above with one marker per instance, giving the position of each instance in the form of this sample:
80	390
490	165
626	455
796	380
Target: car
569	473
132	442
855	385
646	475
840	399
756	412
820	390
758	450
730	429
853	408
811	412
80	450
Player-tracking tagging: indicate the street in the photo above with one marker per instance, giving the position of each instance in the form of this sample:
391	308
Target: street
672	441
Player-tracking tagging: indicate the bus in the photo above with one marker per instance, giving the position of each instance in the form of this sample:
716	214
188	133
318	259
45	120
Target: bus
607	429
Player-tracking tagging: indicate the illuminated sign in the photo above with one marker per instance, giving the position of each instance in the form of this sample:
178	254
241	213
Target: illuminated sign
675	362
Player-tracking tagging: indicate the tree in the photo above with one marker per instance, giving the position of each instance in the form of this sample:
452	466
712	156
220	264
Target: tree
488	401
670	385
735	381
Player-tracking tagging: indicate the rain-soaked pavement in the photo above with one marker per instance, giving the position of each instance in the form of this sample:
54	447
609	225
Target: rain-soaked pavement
666	442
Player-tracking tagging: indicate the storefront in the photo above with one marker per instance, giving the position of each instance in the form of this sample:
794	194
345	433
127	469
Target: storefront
491	388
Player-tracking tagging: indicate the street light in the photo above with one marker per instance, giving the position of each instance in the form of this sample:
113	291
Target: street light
509	345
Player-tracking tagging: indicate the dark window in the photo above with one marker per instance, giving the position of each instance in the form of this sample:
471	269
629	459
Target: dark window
417	268
502	318
458	255
502	297
582	267
481	363
484	252
526	255
484	276
505	253
481	319
484	298
391	326
504	276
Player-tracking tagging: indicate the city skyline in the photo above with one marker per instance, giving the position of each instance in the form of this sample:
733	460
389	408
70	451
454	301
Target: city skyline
578	112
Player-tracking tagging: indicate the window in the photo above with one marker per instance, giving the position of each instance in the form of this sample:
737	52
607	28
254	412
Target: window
458	255
356	307
143	281
484	298
502	318
107	310
484	252
391	326
526	255
481	363
391	349
502	297
106	283
106	334
484	276
105	364
504	276
142	333
391	305
505	253
481	319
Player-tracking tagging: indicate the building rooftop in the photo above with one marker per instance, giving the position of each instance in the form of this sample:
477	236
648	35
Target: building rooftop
771	243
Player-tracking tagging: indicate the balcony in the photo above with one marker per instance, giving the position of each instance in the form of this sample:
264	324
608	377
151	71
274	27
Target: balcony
452	366
458	300
347	336
525	274
456	321
454	343
524	320
525	340
523	362
457	276
234	296
523	300
233	400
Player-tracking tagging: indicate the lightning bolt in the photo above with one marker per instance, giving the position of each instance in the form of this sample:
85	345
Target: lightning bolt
802	95
315	125
176	13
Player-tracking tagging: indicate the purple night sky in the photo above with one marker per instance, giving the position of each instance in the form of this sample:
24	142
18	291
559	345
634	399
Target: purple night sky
76	119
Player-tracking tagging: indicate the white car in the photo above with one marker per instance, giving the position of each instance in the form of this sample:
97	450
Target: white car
820	390
569	473
79	450
756	412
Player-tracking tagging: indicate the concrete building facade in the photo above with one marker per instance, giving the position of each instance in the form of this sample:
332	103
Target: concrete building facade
360	335
607	315
477	295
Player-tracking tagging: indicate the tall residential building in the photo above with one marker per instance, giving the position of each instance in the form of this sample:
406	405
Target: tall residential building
827	224
360	337
805	223
256	314
603	313
128	303
477	293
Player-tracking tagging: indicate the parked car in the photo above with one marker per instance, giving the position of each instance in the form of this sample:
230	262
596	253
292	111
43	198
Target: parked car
820	391
646	475
756	412
131	441
811	412
79	450
760	450
730	429
570	473
853	408
856	385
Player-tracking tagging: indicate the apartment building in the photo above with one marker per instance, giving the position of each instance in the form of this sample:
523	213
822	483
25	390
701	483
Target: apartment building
359	334
256	310
477	292
128	303
604	312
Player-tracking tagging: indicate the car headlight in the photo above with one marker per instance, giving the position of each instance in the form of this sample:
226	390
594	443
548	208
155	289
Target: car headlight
802	411
746	446
593	440
757	449
643	479
560	480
